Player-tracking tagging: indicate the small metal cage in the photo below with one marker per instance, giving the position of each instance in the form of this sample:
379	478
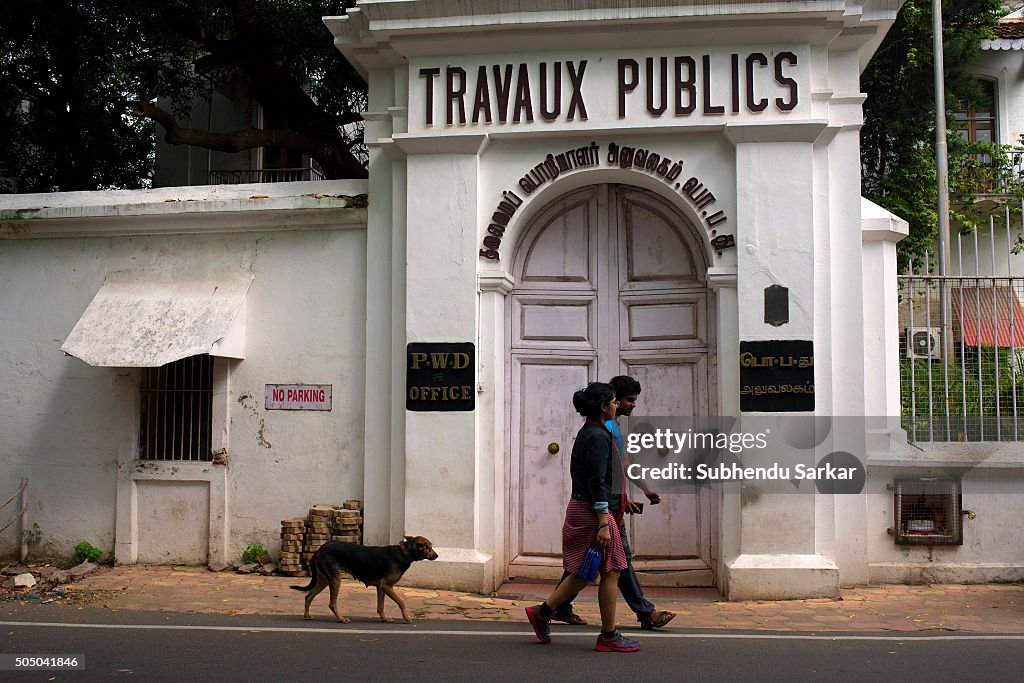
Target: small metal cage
927	511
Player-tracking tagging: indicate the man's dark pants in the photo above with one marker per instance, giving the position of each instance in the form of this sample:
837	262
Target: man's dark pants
629	585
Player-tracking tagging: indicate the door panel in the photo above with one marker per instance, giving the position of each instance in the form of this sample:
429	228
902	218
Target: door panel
546	418
565	323
663	322
671	386
561	251
672	528
556	323
607	284
651	248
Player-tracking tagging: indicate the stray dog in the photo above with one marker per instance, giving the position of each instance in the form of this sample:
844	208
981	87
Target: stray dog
380	566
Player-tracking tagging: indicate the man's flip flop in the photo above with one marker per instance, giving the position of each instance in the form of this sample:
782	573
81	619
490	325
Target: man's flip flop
657	620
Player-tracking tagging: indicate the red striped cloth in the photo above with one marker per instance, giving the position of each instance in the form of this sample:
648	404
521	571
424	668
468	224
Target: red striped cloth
579	531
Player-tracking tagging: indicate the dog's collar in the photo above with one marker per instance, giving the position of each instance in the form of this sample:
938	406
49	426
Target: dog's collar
405	548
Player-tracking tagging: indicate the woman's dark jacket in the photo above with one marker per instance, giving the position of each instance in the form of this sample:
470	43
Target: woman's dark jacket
591	464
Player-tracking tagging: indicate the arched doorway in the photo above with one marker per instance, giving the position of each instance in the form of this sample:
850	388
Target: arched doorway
610	279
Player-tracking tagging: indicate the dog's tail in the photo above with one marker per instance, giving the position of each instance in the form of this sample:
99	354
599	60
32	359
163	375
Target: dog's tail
312	578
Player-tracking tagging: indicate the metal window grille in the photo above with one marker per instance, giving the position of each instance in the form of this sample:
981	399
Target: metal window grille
962	344
927	512
177	401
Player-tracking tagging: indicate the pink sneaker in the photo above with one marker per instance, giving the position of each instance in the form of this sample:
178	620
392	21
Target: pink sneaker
616	642
541	624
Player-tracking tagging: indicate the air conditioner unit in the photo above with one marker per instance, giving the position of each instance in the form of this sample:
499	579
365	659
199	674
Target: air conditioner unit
924	342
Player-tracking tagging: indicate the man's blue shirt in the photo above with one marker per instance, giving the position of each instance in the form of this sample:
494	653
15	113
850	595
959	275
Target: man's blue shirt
616	487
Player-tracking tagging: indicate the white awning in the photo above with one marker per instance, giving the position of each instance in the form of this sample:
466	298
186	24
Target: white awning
149	319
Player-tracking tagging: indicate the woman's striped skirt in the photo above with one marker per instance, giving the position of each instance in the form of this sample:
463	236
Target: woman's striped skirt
579	532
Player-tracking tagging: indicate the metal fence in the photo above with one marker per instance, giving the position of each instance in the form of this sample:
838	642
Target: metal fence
962	342
264	175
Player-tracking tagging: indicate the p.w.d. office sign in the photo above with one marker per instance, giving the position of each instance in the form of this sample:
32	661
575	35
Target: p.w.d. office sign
440	376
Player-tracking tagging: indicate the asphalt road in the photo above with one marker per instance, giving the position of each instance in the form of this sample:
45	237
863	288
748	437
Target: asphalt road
165	646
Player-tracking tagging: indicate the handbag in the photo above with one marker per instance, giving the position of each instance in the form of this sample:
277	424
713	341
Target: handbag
591	564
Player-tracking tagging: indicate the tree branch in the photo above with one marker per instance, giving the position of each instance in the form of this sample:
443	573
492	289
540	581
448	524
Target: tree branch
335	162
235	141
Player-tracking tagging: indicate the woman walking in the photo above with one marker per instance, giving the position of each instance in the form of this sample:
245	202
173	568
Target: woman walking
588	522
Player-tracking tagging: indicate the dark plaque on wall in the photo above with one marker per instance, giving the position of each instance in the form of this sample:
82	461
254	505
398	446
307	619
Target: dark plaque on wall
776	305
777	376
440	377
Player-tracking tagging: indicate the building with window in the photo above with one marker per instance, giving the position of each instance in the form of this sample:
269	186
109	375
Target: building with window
961	346
131	337
229	106
557	195
979	340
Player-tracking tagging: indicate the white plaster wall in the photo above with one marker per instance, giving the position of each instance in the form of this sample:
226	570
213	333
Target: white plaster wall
305	318
441	307
842	535
66	425
1006	68
383	502
880	232
775	239
993	548
174	522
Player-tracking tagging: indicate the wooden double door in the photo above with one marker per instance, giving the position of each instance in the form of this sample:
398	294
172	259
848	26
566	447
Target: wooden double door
609	280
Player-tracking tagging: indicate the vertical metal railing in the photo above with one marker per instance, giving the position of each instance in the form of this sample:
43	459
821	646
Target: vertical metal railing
1015	366
964	383
264	175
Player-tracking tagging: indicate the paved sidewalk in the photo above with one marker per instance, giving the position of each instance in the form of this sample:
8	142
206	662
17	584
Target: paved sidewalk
995	608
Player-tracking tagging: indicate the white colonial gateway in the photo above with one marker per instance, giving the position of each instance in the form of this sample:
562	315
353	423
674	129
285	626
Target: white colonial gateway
559	192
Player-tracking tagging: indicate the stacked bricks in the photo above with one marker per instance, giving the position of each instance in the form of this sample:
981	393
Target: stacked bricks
293	532
318	529
348	523
303	536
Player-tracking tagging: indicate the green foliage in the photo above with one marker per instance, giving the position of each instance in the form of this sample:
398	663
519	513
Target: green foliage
33	534
86	551
65	67
253	553
985	389
84	82
984	169
898	137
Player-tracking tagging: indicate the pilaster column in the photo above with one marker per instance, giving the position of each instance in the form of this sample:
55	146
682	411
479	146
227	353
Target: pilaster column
449	473
769	540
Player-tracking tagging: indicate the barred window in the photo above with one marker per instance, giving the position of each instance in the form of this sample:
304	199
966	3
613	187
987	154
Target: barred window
177	403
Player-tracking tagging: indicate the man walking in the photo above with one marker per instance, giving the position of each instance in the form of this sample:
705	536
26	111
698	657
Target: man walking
627	391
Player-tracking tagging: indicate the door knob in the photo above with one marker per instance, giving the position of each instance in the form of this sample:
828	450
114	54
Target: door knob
553	448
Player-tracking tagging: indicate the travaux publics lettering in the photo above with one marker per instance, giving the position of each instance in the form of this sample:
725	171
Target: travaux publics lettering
675	86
